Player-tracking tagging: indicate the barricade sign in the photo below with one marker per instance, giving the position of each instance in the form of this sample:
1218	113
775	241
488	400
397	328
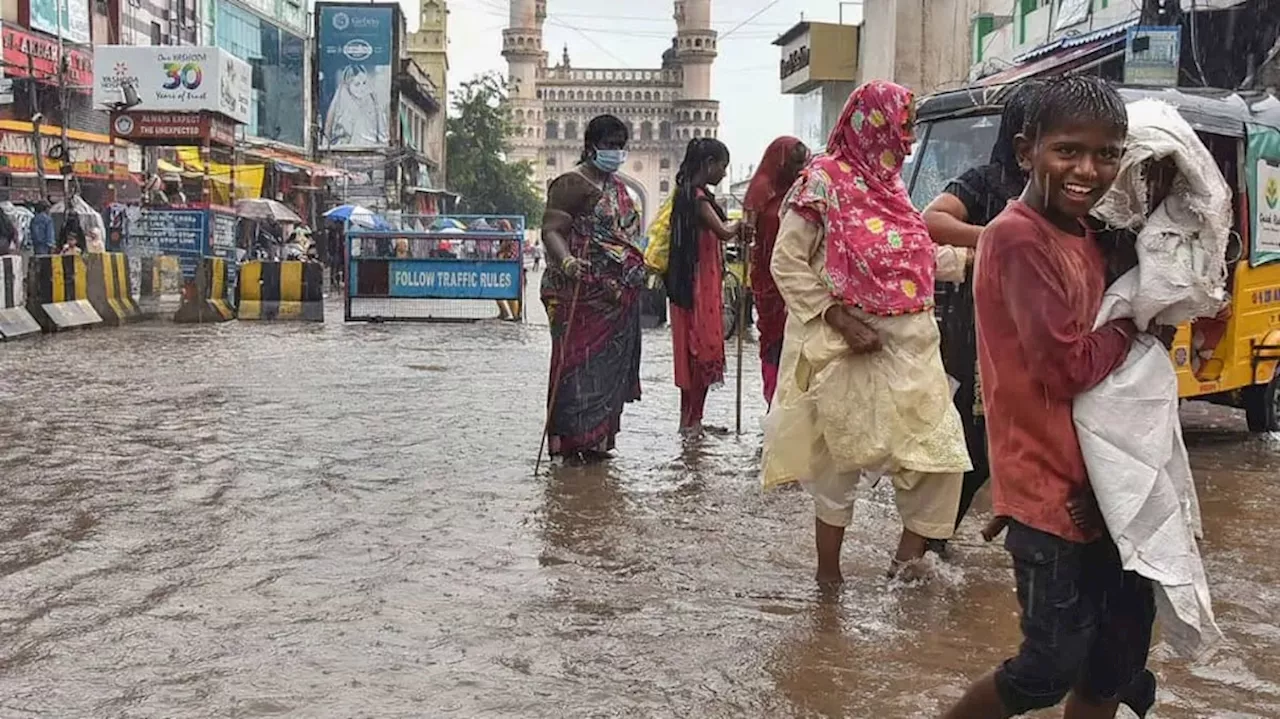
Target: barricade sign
59	295
281	290
460	268
109	288
189	234
205	299
15	320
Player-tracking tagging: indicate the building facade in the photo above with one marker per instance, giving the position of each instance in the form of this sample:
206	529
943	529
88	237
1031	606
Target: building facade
270	35
665	107
429	49
921	44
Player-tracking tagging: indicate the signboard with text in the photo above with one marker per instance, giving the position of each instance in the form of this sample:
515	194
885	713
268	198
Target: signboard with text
29	54
173	128
1152	56
74	15
90	160
1263	183
455	279
174	79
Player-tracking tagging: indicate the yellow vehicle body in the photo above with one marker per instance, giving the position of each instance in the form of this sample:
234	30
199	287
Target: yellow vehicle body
1250	349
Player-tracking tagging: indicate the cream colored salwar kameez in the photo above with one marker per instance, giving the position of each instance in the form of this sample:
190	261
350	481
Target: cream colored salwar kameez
838	417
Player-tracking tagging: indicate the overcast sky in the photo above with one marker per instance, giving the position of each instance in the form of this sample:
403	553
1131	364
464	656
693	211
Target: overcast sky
634	34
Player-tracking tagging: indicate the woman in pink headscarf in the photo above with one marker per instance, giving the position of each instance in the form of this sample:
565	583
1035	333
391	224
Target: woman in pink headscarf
861	389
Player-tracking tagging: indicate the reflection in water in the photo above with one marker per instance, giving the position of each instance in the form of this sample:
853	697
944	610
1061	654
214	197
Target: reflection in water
341	520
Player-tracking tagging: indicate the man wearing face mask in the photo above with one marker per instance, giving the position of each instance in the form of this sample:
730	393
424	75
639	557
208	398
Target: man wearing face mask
591	289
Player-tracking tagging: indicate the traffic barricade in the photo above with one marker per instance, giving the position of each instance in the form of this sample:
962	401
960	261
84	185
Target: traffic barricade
431	268
281	290
59	294
15	320
109	288
205	299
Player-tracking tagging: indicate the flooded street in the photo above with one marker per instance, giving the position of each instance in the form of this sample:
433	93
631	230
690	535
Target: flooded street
288	520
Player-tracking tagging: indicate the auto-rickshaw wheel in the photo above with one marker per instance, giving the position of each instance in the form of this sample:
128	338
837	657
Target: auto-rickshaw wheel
1262	406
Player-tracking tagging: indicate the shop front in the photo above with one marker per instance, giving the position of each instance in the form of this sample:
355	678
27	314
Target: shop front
94	165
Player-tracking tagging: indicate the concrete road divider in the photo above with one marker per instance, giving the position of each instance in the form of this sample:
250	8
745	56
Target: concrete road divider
109	289
15	320
287	290
59	294
205	298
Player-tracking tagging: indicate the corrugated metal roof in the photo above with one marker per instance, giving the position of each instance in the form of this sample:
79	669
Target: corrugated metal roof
1069	41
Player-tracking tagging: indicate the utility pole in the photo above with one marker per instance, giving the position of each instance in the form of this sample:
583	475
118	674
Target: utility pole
37	139
68	164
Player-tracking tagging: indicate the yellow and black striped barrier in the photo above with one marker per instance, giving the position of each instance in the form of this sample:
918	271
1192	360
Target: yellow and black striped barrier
15	320
204	299
59	295
109	290
284	290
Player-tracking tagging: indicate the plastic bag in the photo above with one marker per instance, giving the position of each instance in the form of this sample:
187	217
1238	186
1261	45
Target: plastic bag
658	253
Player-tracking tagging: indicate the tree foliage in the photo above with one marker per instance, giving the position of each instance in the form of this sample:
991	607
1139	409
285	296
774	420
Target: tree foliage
477	132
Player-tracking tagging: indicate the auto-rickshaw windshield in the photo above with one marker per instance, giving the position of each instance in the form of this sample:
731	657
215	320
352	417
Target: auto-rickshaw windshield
945	150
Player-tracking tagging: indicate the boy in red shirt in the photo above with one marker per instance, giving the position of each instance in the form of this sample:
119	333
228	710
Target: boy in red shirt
1040	274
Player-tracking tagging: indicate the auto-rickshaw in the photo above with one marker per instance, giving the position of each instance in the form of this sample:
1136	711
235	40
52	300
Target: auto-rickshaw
957	129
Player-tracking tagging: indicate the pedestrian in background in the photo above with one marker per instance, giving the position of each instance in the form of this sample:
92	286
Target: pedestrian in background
861	388
782	162
695	278
591	290
43	238
1038	287
72	238
956	218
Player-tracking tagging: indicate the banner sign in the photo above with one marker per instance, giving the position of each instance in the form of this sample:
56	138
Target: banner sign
1152	55
20	45
75	19
174	79
173	128
356	65
455	279
1262	177
90	160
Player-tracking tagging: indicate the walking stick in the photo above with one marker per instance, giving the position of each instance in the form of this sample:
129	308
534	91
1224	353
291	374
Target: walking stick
555	381
742	313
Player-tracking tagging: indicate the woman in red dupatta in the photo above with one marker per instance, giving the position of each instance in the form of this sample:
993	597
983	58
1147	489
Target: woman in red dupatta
778	170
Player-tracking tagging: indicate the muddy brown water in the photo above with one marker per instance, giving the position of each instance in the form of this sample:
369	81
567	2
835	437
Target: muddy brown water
276	520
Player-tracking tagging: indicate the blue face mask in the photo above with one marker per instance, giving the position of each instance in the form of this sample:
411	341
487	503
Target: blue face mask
609	161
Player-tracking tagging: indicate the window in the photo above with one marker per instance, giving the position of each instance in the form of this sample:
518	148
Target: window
646	131
553	130
664	163
551	160
664	130
664	187
571	130
156	38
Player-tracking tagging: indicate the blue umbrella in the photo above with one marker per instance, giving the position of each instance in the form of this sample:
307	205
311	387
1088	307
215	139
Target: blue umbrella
357	215
447	223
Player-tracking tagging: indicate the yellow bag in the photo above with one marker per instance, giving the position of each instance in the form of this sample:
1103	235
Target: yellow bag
658	253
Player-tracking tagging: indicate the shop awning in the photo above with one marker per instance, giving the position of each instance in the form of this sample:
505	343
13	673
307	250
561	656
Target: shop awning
1111	33
24	127
1058	61
293	163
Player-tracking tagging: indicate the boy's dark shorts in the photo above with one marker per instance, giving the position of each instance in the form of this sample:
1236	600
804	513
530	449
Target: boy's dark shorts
1086	625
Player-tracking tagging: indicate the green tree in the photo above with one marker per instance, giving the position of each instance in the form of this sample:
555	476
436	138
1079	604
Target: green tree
479	171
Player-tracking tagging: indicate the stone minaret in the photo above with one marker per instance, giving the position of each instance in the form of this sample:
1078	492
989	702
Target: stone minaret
695	48
526	64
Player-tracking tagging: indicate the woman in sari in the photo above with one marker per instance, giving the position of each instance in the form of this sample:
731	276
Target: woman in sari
695	277
956	218
591	290
777	172
861	388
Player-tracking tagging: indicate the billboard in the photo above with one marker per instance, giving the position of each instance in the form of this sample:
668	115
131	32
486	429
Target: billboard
75	19
355	65
174	79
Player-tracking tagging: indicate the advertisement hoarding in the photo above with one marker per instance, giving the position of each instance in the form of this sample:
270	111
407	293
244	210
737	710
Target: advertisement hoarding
355	58
75	19
173	128
174	79
1152	55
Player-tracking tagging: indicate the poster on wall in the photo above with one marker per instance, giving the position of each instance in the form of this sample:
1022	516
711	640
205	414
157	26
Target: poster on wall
75	19
354	57
1268	206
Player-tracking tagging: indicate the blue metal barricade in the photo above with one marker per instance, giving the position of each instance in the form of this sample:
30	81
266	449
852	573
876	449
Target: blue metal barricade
433	268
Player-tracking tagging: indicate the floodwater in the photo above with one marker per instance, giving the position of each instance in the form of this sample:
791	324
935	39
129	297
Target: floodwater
286	520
